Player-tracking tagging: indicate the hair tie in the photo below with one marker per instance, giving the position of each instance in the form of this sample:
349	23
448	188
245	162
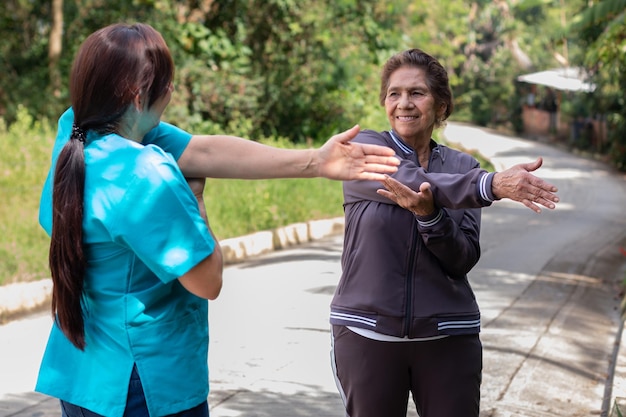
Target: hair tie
78	133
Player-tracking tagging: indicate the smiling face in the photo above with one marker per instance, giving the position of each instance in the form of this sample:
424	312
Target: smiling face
411	107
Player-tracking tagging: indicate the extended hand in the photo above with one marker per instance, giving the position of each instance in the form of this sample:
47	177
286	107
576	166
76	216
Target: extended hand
420	203
340	159
518	184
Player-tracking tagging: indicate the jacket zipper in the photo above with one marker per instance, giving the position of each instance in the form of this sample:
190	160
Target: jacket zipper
410	272
409	284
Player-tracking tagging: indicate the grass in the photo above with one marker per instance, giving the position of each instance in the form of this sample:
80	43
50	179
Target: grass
24	159
234	207
240	207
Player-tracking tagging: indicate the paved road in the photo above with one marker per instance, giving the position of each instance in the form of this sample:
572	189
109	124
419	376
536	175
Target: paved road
547	285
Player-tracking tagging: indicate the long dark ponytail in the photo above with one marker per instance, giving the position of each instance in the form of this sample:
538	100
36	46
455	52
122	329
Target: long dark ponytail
67	258
112	66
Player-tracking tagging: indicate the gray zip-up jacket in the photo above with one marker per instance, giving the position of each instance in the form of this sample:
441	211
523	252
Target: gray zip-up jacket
406	275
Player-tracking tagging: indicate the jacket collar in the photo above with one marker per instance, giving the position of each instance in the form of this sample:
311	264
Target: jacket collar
436	149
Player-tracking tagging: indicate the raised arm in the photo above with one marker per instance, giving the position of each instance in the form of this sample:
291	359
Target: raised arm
222	156
516	183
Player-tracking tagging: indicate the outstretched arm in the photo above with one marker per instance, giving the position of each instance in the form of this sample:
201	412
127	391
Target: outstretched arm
516	183
221	156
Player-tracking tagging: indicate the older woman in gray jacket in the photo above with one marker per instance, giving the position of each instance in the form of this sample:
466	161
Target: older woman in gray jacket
404	317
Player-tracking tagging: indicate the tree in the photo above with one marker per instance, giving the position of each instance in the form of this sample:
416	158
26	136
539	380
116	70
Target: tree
55	47
602	30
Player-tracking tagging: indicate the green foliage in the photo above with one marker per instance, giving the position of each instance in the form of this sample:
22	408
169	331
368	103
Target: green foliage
602	29
299	69
24	157
240	207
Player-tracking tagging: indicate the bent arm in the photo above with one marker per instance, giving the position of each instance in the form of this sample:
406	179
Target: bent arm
452	236
516	183
205	279
470	190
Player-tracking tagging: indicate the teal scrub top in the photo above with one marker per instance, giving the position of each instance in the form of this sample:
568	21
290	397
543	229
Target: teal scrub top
142	230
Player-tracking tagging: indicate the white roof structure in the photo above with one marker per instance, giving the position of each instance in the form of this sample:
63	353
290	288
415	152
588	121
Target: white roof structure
567	79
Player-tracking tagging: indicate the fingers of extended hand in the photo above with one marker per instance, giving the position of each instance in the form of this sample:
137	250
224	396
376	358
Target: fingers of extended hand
384	164
391	184
388	194
377	150
533	166
531	206
529	187
543	193
425	188
347	135
540	196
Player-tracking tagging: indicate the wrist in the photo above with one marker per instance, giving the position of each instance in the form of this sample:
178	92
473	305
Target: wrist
312	166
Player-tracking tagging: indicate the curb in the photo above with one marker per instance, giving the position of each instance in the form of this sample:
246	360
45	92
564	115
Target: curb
19	299
238	249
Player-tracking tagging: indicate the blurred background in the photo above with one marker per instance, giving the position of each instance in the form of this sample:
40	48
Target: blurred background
293	72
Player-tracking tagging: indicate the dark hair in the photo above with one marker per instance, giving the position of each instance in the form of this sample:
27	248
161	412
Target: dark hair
112	66
436	77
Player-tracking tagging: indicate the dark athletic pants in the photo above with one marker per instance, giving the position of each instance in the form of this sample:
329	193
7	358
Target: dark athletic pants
375	378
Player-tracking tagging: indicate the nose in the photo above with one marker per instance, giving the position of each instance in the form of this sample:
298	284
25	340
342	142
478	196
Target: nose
405	101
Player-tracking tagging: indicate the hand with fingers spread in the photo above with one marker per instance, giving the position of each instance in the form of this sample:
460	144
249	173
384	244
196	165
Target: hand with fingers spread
420	203
518	184
341	159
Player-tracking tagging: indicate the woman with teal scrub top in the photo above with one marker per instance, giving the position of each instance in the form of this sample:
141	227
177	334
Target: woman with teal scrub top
133	260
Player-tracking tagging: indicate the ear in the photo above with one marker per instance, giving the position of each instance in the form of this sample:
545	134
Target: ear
442	110
138	102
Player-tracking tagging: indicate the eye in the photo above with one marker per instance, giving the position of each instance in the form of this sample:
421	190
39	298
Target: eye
417	93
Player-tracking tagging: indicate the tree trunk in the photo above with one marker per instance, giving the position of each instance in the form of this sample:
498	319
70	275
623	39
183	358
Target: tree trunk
55	47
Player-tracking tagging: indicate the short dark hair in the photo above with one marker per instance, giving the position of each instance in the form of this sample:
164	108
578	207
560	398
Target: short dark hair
436	76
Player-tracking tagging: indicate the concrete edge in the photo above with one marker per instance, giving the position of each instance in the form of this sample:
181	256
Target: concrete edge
19	299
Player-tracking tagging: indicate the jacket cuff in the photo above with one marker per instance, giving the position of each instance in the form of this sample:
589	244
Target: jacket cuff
484	185
431	219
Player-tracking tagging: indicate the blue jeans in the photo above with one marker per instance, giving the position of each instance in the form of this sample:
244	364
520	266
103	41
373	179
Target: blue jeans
135	404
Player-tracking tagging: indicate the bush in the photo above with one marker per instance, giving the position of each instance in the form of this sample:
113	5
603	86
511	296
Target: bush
24	157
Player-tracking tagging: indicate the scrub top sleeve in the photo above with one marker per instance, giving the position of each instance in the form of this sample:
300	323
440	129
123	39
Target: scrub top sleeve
168	137
159	219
